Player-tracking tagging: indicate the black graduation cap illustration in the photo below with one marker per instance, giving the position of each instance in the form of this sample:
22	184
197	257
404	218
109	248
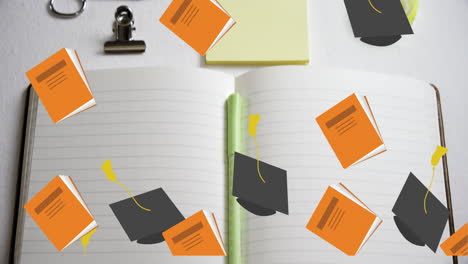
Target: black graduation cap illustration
147	226
378	22
414	224
258	197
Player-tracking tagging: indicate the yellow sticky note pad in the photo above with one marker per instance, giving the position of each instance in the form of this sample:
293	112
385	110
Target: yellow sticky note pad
268	32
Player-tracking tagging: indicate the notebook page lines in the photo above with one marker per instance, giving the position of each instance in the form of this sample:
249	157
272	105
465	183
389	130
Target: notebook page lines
304	161
164	140
289	137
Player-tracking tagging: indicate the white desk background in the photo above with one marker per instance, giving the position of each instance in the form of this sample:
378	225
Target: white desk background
29	34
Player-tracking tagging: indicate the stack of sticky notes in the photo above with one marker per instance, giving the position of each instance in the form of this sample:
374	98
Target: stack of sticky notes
197	235
61	213
351	130
267	32
200	23
343	220
61	85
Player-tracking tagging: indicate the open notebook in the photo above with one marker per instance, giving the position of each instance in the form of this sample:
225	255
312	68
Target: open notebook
169	128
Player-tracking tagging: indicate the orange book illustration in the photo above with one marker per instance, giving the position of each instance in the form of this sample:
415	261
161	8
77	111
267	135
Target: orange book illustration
61	85
200	23
61	213
343	220
457	244
197	235
351	130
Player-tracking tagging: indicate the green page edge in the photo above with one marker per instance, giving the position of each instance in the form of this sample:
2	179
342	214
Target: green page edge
235	108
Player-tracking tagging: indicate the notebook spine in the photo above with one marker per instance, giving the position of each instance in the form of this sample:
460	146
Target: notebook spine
448	194
24	169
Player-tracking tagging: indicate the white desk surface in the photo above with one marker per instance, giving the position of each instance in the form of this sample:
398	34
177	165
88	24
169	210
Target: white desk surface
436	53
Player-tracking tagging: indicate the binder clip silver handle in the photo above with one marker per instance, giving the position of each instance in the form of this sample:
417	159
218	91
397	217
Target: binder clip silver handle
123	28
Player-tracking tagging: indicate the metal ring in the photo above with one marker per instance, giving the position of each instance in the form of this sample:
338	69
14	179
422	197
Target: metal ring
67	15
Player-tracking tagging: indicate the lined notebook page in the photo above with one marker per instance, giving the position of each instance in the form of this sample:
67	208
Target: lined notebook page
289	99
160	128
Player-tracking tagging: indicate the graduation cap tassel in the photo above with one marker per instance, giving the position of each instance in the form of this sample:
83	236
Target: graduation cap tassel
258	159
429	188
373	7
107	168
85	241
438	153
253	121
131	195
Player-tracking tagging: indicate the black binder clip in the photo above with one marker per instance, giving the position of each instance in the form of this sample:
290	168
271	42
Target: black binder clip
123	27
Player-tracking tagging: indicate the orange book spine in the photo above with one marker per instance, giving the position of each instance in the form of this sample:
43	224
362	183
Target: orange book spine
59	85
341	222
349	130
194	237
457	244
197	22
58	213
